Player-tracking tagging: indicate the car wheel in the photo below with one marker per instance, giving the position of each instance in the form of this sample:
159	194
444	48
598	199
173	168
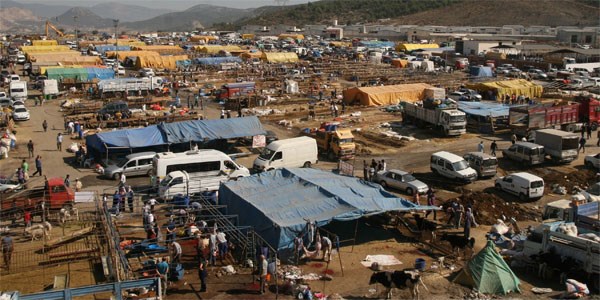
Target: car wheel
409	191
383	184
149	173
522	197
498	186
117	176
306	164
589	164
435	172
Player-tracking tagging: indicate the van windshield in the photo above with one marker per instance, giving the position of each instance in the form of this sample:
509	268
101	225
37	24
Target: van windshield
460	165
490	162
266	154
166	180
537	184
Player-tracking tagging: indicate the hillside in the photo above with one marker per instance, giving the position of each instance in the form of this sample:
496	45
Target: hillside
85	19
203	15
435	12
126	13
38	9
17	17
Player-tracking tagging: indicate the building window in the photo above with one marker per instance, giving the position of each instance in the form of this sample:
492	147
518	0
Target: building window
574	38
588	39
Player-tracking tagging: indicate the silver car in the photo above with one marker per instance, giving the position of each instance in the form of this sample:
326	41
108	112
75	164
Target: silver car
400	180
8	185
136	164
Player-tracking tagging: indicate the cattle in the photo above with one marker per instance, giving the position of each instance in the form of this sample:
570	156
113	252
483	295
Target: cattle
407	278
459	242
425	225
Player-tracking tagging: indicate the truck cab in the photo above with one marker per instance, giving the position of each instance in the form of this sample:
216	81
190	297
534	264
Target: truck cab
338	143
454	121
54	196
584	215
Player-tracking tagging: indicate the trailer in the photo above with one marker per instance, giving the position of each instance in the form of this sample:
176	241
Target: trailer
524	119
560	145
448	120
126	85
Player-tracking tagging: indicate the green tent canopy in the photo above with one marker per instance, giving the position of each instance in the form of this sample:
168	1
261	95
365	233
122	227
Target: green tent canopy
489	273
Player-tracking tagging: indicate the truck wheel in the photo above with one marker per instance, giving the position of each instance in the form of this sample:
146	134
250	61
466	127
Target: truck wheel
116	176
306	164
409	191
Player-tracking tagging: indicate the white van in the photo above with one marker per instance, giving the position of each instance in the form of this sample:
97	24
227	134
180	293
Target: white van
522	184
181	182
18	90
452	166
289	153
204	162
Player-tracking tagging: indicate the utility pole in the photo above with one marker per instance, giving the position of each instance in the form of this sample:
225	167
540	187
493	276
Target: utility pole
116	66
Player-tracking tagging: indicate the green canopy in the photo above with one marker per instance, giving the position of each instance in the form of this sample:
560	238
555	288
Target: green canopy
489	273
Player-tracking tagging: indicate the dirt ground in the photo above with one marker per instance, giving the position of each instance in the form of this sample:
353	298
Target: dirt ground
489	204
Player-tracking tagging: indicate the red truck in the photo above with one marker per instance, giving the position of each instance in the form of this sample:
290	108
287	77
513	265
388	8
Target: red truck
523	119
589	111
238	89
55	196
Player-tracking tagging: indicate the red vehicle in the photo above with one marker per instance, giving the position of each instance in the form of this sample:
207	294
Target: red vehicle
232	90
56	196
523	119
589	112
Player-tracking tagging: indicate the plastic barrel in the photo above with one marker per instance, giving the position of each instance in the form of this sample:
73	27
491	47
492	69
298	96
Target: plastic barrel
420	264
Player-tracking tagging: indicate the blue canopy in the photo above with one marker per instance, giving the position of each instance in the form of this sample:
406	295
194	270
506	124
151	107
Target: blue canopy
103	48
176	133
484	109
100	73
480	71
201	130
278	203
217	60
377	44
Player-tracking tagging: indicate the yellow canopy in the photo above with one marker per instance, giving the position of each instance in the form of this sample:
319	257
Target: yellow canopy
509	87
386	95
44	43
280	57
160	49
68	59
251	55
159	62
214	49
406	47
125	54
400	63
205	38
248	36
338	44
37	49
291	36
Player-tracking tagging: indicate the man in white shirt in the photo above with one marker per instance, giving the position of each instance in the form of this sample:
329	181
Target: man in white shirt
222	245
175	252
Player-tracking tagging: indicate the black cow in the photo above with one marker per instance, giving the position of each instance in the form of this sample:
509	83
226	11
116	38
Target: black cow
407	278
459	242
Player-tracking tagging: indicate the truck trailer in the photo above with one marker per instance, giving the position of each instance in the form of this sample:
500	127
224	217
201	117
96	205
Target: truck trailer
560	145
448	119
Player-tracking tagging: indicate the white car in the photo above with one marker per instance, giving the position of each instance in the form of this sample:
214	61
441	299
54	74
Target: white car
400	180
592	161
3	95
147	72
8	185
20	113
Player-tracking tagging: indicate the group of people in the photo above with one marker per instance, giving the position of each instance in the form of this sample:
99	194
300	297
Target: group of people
457	215
375	166
124	194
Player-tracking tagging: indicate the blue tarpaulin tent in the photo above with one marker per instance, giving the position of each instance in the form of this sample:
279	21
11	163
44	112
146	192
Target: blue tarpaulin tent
480	71
100	73
176	133
217	60
104	48
484	109
278	203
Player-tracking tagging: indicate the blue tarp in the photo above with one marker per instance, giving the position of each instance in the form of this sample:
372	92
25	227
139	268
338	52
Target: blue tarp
217	60
183	63
377	44
493	109
278	203
103	48
100	73
200	130
176	133
480	71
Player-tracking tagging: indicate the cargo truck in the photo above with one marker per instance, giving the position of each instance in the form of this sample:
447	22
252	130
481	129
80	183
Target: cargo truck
333	142
55	195
448	119
525	119
560	145
121	85
584	215
232	90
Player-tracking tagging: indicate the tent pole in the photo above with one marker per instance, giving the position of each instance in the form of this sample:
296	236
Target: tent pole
355	234
340	253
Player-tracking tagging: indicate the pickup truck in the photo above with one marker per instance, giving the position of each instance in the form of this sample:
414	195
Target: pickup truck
584	215
54	195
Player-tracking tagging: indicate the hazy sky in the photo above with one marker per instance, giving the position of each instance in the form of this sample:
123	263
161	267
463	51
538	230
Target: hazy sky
170	4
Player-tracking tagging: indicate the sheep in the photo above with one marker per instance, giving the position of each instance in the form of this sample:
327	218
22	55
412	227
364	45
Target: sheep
37	232
66	214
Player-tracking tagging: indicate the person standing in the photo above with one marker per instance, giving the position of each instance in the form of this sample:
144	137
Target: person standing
30	148
581	144
513	138
469	220
262	271
20	176
493	148
7	250
202	271
78	185
212	247
27	218
122	180
170	228
327	247
38	166
45	125
366	170
223	247
59	141
222	113
383	165
67	181
431	202
25	167
175	252
589	131
163	270
130	198
480	147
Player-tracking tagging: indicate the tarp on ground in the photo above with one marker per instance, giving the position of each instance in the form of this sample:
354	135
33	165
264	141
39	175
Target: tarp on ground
104	48
199	130
509	87
278	203
214	49
125	54
407	47
386	95
488	273
280	57
100	73
44	43
480	71
213	61
77	74
129	138
159	62
252	54
484	109
161	49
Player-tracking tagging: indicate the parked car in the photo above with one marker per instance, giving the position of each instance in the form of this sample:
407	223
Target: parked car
537	74
20	113
147	72
592	161
400	180
8	185
5	102
471	93
525	152
522	184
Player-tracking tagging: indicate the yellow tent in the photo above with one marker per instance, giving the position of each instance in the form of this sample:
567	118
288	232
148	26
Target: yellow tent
291	36
280	57
214	49
37	49
400	63
159	62
44	43
509	87
70	60
160	49
338	44
250	55
248	36
51	56
386	95
205	38
406	47
125	54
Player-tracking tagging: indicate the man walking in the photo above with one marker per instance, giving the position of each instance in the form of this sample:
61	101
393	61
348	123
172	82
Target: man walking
581	144
202	272
493	148
7	250
45	126
30	148
480	147
59	141
262	271
67	181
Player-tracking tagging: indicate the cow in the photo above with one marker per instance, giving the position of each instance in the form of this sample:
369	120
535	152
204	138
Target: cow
407	278
459	242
